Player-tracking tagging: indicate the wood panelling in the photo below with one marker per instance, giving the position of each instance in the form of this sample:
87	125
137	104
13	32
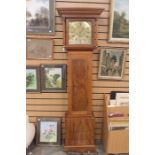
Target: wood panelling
55	104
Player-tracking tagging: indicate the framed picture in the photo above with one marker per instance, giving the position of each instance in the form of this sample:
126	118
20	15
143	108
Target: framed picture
40	16
39	49
53	78
122	99
49	131
119	21
32	79
111	63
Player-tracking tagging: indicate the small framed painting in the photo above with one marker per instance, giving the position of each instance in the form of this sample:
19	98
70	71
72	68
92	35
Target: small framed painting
39	48
111	64
119	21
40	16
122	99
32	79
53	78
49	131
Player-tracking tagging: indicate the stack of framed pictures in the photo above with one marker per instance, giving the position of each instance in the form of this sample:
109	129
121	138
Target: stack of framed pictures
46	78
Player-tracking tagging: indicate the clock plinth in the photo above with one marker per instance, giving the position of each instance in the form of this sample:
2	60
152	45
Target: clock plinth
79	134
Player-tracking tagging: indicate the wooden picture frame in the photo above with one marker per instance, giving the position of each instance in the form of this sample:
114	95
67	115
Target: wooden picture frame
79	33
111	64
48	131
39	48
40	16
53	77
32	79
119	21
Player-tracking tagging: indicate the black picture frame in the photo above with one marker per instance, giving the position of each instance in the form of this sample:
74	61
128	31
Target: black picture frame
32	79
40	18
53	77
48	131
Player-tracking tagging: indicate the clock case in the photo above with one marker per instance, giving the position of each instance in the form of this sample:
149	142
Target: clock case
79	119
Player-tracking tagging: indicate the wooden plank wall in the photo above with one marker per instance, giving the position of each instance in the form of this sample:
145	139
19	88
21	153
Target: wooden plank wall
55	104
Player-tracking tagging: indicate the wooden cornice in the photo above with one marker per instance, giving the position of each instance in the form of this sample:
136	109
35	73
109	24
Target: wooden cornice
80	12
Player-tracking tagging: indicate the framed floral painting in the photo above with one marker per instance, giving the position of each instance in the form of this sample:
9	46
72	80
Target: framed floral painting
49	131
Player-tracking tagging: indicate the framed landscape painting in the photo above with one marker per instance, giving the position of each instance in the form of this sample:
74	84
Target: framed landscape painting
111	64
39	48
119	21
53	78
49	131
40	16
32	79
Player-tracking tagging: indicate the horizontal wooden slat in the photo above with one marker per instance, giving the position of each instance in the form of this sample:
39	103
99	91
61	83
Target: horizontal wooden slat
46	108
111	84
49	114
46	101
38	62
108	90
103	21
48	95
110	44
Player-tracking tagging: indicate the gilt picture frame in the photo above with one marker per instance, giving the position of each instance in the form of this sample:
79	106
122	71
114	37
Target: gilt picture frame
39	48
32	79
119	21
111	64
40	16
53	77
48	131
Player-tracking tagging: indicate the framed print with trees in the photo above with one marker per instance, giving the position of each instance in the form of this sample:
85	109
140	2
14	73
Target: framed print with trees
49	131
119	21
32	79
39	48
111	63
40	16
53	78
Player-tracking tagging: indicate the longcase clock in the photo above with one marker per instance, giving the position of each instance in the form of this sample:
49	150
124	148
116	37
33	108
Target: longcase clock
79	41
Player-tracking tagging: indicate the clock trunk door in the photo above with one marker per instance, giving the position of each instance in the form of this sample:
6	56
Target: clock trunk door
80	82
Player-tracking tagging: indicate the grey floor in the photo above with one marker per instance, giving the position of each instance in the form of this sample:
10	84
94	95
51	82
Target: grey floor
58	150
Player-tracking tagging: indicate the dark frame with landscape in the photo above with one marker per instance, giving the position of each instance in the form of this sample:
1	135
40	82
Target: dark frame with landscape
40	16
53	77
32	79
48	131
119	21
